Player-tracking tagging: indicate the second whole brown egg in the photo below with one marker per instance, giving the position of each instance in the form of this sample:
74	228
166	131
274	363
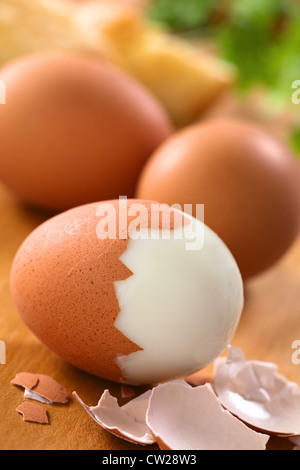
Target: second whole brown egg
246	178
74	130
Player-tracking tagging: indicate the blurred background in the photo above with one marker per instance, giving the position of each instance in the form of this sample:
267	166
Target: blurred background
260	39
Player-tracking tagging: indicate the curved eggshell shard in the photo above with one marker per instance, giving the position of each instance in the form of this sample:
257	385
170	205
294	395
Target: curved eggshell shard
127	391
50	390
256	393
182	417
295	440
126	422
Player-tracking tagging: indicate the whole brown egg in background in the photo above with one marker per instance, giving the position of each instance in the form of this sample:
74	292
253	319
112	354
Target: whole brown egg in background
246	178
74	130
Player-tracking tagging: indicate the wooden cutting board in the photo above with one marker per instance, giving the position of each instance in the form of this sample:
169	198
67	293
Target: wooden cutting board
270	324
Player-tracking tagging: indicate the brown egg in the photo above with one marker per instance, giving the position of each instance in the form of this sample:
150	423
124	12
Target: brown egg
74	130
246	179
104	294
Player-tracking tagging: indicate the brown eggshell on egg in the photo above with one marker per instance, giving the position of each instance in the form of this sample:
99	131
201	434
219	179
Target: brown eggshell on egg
83	271
75	130
246	178
62	283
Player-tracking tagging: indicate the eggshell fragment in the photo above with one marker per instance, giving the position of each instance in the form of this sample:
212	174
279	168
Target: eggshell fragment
192	418
126	422
41	387
198	378
33	412
51	390
26	380
127	391
295	440
256	393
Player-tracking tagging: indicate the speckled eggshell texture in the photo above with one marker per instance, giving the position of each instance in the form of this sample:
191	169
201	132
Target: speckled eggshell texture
62	283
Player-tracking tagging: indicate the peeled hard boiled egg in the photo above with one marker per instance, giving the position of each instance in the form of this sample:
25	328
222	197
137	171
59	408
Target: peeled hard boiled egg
129	290
246	178
74	130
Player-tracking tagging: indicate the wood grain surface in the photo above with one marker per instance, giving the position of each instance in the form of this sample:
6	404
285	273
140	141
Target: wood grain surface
269	325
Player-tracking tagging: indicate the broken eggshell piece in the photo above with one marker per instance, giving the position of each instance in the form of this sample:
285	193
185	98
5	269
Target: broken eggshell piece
182	417
126	422
175	416
33	412
295	440
127	391
257	394
41	387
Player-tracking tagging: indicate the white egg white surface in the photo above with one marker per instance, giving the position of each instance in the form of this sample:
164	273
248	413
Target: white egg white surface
181	305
